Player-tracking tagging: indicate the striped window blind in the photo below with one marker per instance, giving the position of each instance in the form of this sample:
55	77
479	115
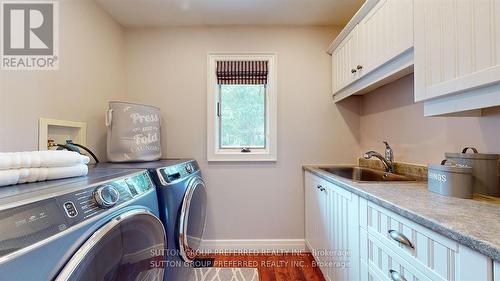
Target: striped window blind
242	72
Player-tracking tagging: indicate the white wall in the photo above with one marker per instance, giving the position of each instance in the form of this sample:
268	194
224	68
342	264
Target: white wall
167	68
389	113
90	74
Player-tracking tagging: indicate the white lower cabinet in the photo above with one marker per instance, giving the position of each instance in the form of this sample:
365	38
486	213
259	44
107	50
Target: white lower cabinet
332	228
354	239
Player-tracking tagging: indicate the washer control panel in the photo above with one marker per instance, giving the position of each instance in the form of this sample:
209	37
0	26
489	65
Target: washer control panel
171	174
41	219
98	199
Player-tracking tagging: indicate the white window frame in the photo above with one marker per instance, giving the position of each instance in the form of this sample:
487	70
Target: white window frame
214	153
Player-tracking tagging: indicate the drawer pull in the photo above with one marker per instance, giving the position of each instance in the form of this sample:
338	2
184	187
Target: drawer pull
399	237
395	276
319	186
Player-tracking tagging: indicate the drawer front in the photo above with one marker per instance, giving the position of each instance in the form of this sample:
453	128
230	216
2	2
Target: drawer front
429	252
384	264
369	274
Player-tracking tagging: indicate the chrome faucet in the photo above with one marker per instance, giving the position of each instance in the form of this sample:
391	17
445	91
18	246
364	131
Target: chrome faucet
388	160
389	153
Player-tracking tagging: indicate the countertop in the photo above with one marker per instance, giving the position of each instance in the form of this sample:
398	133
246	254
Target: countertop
470	222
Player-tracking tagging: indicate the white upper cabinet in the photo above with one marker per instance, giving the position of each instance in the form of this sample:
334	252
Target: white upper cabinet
385	33
344	61
374	49
457	54
452	46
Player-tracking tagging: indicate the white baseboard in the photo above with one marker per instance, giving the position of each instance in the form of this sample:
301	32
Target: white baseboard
254	245
308	246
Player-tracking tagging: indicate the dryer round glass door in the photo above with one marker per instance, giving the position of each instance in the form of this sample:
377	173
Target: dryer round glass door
130	247
192	219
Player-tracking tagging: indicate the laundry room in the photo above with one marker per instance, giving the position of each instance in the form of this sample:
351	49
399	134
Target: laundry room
194	140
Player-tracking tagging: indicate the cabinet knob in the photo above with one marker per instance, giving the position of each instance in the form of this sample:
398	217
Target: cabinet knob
395	276
399	237
319	186
359	67
353	70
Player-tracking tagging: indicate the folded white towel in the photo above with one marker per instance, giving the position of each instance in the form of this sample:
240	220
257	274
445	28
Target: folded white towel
16	176
37	159
9	177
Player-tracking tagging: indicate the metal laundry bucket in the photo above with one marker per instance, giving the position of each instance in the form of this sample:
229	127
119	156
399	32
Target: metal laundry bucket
450	179
485	170
133	132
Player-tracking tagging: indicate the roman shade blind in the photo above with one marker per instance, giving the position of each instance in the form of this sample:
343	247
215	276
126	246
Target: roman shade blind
242	72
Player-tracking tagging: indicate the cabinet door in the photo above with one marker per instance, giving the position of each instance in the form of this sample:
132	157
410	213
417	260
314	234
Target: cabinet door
385	33
342	240
344	61
312	212
457	46
315	207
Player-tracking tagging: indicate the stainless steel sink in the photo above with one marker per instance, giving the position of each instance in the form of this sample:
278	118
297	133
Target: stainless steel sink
361	174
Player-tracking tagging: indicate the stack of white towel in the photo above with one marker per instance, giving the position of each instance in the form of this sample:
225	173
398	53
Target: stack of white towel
23	167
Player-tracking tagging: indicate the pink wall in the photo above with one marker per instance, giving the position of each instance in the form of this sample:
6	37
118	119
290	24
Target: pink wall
389	113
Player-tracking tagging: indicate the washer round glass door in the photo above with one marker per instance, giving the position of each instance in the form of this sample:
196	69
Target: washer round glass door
130	247
192	219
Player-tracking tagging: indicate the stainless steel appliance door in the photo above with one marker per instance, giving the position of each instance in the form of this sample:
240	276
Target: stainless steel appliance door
192	219
130	247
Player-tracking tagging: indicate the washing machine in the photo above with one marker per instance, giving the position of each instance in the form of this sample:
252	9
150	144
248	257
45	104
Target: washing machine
182	196
104	226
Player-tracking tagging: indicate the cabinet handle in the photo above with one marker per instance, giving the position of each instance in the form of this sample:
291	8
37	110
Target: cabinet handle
359	67
353	70
322	189
395	276
319	186
399	237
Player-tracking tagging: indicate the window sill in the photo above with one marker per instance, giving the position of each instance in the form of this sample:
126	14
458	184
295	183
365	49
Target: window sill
242	157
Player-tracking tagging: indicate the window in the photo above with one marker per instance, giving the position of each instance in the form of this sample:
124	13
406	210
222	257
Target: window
241	107
242	116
